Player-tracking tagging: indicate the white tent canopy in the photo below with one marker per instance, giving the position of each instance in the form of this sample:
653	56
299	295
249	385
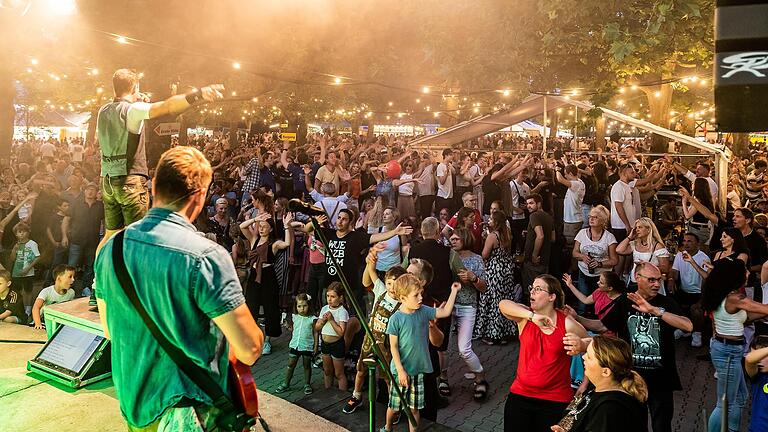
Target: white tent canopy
535	105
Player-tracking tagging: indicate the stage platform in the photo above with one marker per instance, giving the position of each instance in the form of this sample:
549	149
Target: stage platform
33	403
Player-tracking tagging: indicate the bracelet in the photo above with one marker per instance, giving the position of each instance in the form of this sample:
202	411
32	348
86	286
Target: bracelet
193	96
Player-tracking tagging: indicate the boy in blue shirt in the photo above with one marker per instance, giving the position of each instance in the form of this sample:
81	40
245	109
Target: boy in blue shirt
408	331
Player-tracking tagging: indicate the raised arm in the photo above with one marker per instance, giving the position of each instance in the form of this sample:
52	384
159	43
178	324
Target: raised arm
180	103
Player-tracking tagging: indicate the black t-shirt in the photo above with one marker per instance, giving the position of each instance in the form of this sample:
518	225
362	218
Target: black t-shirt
652	341
348	251
611	411
14	303
758	254
54	224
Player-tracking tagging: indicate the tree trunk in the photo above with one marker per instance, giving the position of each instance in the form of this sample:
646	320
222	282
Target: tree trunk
7	113
741	144
90	135
554	119
370	138
600	133
659	102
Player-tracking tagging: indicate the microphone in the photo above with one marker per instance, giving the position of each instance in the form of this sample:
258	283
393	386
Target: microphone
297	205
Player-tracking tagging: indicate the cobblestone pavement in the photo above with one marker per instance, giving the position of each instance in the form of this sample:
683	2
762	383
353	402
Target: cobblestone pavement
692	405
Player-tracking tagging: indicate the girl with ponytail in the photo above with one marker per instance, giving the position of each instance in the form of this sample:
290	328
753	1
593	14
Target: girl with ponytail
617	402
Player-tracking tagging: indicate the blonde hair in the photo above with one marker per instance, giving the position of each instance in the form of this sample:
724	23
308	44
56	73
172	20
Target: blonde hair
181	171
653	232
615	354
602	214
406	284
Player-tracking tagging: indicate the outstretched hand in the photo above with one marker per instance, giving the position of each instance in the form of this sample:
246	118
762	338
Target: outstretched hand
403	230
212	92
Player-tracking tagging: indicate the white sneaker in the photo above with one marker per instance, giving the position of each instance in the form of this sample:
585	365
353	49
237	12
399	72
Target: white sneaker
696	339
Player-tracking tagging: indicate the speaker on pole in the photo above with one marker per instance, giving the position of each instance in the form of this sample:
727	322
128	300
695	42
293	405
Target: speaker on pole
741	65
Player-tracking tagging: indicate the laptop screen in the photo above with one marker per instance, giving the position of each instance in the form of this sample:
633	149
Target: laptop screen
70	348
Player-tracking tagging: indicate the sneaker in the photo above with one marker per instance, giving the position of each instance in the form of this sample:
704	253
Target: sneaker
282	388
308	389
352	405
696	339
266	349
317	362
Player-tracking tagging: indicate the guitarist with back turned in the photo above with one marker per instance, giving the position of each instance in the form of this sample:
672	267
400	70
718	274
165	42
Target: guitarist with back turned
189	288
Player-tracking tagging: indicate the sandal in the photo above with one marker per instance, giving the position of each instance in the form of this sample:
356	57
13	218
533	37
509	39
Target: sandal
481	390
282	388
308	389
443	387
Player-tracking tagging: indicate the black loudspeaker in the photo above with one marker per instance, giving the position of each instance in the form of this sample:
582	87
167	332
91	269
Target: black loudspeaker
741	65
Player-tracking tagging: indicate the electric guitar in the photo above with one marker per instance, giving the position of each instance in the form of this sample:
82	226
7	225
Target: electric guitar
242	387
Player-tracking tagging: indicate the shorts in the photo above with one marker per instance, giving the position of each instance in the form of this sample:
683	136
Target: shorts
126	200
187	418
293	352
413	394
23	283
367	352
333	349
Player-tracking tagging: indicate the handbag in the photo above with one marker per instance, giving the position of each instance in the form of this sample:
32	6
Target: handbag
572	411
231	417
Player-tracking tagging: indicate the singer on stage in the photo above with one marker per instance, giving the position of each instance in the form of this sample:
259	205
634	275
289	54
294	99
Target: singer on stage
190	288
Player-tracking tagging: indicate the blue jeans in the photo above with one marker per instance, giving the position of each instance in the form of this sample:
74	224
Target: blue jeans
586	285
730	379
84	256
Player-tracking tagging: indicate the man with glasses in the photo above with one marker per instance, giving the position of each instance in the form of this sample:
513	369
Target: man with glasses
647	321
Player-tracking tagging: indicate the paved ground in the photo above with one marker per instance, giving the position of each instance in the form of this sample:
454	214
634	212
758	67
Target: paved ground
692	404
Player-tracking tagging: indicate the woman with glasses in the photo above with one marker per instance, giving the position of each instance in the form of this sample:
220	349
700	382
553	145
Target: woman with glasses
644	243
617	401
542	389
723	296
465	310
406	198
490	325
594	248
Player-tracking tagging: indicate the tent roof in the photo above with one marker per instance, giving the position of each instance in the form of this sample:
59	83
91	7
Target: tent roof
534	106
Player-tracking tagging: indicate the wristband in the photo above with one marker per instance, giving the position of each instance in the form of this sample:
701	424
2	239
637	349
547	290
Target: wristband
193	96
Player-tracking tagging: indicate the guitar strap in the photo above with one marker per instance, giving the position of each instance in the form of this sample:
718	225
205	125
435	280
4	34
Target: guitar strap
231	417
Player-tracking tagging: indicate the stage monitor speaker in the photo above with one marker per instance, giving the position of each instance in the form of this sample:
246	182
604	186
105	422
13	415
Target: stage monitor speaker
73	357
741	65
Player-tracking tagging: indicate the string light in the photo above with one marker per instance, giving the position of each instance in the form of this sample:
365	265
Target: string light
390	103
657	94
425	89
121	40
236	65
34	61
337	80
505	92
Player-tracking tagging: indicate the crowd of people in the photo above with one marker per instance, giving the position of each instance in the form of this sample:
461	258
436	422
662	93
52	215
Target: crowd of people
474	245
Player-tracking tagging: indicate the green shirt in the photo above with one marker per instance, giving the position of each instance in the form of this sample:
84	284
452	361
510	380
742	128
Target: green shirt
183	280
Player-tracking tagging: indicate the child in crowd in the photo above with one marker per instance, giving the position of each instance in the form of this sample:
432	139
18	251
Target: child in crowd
756	364
303	343
11	304
384	305
25	254
408	331
331	325
61	291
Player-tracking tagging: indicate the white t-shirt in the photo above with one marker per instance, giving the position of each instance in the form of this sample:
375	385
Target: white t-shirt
651	257
518	199
444	190
406	189
622	193
690	280
77	152
50	296
713	189
426	181
572	204
597	249
340	314
47	150
137	113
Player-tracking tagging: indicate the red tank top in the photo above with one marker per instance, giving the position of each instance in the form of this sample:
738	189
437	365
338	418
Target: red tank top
543	368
